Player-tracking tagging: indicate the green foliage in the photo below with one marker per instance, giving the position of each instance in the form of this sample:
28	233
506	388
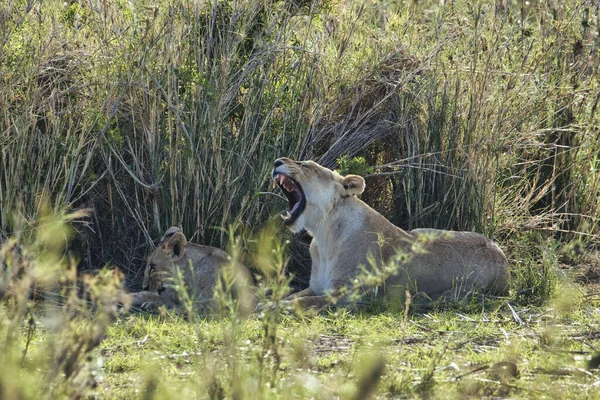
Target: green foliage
48	333
535	273
354	165
438	354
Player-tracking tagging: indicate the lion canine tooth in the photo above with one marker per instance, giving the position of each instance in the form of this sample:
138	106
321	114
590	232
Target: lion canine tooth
282	216
288	215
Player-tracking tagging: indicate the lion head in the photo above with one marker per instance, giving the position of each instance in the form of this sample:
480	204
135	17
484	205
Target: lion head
170	251
311	190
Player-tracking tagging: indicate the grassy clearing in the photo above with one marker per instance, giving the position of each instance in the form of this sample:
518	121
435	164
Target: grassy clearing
445	354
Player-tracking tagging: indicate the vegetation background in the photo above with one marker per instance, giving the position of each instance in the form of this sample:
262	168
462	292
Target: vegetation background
469	115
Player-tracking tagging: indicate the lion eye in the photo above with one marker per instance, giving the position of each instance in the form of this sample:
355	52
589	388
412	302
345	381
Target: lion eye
152	266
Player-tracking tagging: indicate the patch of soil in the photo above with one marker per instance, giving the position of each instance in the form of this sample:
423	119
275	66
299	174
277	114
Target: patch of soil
325	344
585	270
588	272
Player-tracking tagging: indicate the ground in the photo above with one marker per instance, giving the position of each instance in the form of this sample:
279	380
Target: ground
495	349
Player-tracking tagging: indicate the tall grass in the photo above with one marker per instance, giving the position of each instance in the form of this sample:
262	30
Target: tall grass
475	115
490	130
153	116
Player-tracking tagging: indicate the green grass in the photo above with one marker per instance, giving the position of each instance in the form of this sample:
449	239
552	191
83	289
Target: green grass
80	347
324	355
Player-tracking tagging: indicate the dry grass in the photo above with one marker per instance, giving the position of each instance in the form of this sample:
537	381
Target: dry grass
171	114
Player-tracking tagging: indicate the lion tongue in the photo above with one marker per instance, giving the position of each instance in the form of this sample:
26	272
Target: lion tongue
295	208
287	215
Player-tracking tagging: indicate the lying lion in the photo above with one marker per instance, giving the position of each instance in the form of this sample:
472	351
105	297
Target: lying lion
202	267
349	236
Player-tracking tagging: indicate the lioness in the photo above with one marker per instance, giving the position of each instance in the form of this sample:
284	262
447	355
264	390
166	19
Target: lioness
347	233
201	268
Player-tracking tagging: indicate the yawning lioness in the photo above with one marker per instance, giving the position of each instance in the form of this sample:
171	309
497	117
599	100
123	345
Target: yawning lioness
348	236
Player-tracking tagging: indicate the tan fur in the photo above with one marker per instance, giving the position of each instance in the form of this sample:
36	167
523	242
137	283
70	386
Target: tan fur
201	267
346	232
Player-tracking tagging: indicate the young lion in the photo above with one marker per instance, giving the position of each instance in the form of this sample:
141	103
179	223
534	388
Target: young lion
202	267
347	233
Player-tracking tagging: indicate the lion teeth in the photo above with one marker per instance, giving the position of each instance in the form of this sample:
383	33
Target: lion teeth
286	216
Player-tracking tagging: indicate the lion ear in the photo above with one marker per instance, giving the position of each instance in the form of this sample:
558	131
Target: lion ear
353	185
176	246
170	232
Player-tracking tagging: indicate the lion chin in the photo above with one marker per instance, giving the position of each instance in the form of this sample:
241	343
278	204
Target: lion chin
349	237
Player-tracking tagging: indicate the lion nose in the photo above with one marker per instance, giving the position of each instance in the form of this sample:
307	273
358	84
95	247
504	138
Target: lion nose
278	162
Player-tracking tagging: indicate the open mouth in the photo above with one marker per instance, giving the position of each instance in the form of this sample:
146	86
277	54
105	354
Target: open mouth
295	196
